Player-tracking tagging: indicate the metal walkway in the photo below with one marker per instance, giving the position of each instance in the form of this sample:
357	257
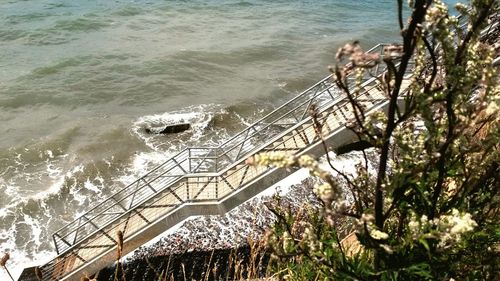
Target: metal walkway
206	180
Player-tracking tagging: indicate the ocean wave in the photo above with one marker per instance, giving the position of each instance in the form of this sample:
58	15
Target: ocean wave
43	38
129	11
11	34
60	66
28	17
89	22
42	29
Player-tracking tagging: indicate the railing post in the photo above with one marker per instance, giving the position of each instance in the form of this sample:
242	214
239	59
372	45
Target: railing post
55	243
216	159
189	159
330	93
217	187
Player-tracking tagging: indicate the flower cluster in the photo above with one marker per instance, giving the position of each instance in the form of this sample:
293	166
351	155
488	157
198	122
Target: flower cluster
324	192
367	221
311	239
278	159
447	229
366	226
327	191
453	227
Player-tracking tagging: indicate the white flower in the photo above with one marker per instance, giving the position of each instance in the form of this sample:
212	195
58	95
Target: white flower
367	218
324	191
341	205
379	235
287	242
462	224
424	220
453	227
461	7
414	226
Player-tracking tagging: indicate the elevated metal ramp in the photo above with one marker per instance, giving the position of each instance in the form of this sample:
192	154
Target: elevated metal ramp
208	180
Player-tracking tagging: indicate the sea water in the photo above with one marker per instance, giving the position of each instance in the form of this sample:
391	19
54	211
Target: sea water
81	80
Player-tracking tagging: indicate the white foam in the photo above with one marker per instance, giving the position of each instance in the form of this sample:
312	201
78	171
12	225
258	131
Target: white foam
36	230
53	171
49	153
12	191
20	259
92	187
56	186
246	123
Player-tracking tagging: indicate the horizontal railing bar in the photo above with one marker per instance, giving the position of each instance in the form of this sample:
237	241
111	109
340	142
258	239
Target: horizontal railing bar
171	176
207	157
202	147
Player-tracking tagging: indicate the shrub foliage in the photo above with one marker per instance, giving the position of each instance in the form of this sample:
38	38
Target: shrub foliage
430	211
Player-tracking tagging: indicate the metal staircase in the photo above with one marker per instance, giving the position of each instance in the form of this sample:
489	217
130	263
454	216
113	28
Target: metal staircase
207	180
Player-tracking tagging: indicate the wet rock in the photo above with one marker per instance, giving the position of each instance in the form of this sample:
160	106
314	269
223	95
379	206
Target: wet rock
168	129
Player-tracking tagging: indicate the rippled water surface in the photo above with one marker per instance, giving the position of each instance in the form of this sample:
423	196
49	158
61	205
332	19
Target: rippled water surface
80	80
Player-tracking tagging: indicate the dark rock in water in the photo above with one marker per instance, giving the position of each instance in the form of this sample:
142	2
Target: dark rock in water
169	129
